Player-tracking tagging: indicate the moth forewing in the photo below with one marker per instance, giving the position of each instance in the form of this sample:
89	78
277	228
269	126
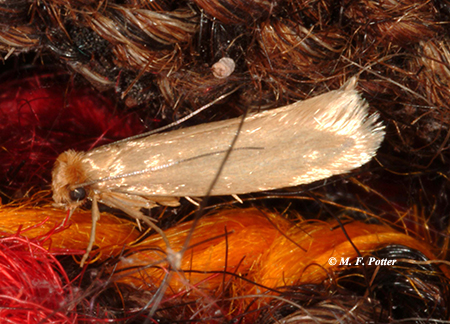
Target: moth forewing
292	145
288	146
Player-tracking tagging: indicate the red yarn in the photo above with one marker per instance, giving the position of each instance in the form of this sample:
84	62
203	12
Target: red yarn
33	285
42	114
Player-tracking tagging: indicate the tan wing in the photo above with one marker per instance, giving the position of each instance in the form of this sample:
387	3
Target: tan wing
296	144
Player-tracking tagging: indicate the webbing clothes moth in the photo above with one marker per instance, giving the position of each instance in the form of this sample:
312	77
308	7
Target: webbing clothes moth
296	144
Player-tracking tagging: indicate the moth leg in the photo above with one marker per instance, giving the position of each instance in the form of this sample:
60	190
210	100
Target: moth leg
132	205
192	201
237	198
123	203
174	258
67	219
138	225
95	218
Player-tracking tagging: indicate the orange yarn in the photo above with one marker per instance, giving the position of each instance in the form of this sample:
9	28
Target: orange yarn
287	264
260	246
232	241
45	224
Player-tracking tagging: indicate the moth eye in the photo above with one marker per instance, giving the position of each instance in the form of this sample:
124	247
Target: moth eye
77	194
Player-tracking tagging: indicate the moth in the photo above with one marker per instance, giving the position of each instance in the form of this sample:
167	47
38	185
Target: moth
288	146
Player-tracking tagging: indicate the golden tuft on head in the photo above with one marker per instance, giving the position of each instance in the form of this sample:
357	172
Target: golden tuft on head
67	173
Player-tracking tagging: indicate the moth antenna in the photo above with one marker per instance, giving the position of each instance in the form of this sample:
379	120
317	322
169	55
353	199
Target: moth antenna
179	121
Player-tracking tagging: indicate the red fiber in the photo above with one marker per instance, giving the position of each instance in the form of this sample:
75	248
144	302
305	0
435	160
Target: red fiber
44	114
33	285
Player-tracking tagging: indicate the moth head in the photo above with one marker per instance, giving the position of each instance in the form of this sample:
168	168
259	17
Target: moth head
67	176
